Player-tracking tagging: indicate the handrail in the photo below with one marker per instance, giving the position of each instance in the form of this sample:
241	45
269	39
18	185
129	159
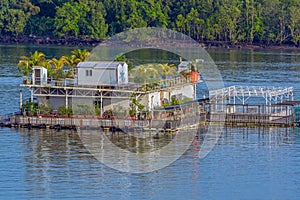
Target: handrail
165	83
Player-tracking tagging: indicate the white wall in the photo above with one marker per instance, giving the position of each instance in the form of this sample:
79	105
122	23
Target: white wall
99	76
42	76
186	91
154	100
123	74
103	76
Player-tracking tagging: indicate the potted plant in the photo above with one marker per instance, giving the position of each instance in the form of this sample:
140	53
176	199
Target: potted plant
58	75
70	74
194	75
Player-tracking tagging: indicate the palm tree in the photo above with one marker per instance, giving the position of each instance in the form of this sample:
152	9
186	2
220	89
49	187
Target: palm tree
80	55
70	62
166	70
58	65
145	74
36	59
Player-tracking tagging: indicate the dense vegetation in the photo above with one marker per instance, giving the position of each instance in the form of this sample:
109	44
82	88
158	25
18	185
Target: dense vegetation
259	21
55	67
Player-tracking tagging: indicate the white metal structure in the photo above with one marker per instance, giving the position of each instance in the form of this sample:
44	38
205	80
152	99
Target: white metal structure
241	94
183	66
39	75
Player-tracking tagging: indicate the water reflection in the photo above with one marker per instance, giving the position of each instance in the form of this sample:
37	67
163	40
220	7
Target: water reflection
260	136
57	165
47	155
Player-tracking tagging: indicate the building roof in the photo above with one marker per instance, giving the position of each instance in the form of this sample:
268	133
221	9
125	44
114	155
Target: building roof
38	67
100	64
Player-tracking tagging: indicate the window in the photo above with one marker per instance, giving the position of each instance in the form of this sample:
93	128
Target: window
89	72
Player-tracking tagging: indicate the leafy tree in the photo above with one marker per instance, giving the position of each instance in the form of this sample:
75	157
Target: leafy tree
136	20
294	24
92	24
4	6
263	21
15	22
17	15
68	17
40	25
181	23
155	15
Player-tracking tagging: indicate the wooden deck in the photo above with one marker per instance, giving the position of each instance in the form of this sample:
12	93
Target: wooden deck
167	124
174	118
247	119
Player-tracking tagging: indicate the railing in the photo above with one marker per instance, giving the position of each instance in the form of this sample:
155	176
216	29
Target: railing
52	82
257	114
6	118
165	83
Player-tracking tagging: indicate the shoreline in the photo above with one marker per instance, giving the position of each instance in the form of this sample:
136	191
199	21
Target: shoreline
39	40
44	40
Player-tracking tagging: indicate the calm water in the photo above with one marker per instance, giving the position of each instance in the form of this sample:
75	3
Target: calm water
247	163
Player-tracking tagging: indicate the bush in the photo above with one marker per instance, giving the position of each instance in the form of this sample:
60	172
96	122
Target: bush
64	110
45	108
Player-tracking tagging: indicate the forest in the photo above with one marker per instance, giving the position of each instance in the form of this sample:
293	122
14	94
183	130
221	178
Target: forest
269	22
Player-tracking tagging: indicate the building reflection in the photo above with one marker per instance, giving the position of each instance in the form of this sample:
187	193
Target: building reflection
53	160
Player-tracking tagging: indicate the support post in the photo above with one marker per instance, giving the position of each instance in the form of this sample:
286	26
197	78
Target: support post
234	105
31	94
21	101
101	104
67	103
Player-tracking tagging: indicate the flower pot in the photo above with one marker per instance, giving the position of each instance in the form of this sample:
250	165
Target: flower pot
194	76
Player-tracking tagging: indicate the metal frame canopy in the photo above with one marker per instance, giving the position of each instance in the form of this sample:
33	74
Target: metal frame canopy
271	95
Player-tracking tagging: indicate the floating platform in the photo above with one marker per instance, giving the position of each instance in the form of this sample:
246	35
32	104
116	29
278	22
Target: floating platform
227	106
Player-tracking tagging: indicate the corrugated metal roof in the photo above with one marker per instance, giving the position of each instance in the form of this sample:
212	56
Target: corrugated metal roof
38	67
99	65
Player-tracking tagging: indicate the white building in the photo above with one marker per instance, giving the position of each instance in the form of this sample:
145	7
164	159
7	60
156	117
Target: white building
183	66
112	74
102	73
39	75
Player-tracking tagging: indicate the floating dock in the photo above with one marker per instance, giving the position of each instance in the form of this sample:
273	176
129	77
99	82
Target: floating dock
178	117
230	106
285	114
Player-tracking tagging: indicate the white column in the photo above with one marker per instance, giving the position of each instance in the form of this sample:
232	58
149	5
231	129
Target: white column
31	94
101	104
21	100
67	103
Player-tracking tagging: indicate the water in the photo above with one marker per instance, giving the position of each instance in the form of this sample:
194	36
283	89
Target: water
247	163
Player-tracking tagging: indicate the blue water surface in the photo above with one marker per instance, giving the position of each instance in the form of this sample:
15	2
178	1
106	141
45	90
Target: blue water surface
246	163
